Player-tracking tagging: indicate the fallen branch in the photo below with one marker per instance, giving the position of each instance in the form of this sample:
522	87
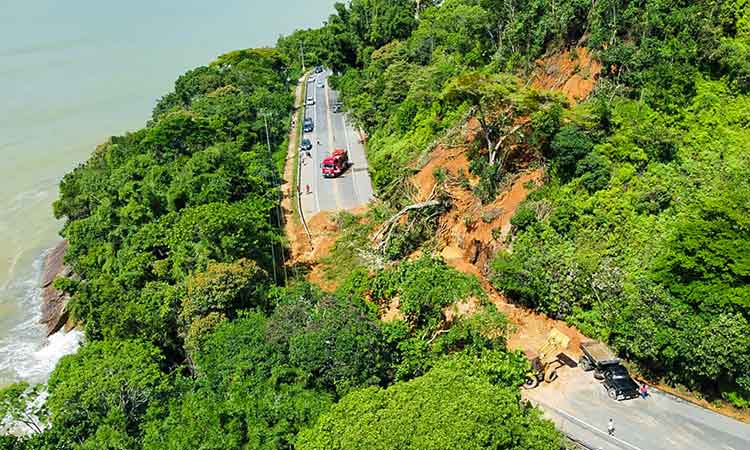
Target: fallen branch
381	238
437	333
501	141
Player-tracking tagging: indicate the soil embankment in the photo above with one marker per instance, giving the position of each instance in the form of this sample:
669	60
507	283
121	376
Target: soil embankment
472	232
299	241
572	72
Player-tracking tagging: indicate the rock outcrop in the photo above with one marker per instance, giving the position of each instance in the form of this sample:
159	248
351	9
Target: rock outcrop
54	302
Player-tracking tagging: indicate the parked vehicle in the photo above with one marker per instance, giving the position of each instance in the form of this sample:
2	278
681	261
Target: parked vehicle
606	366
597	357
336	164
307	125
305	144
619	384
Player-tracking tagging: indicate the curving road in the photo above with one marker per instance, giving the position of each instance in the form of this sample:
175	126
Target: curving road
333	130
580	407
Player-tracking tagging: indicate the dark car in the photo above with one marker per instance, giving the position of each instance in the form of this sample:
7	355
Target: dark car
618	383
307	126
306	144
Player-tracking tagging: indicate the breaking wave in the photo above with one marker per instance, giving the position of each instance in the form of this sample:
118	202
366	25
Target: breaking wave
26	353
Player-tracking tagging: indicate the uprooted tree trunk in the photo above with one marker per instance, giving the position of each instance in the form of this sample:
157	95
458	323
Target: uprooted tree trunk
486	131
383	236
493	148
494	151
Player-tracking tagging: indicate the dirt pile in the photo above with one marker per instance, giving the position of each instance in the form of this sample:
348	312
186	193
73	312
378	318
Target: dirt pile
574	72
299	243
325	232
471	233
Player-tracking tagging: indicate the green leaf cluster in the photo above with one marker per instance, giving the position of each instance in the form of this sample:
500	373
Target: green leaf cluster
646	244
462	403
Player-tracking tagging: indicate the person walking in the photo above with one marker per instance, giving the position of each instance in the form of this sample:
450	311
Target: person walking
611	427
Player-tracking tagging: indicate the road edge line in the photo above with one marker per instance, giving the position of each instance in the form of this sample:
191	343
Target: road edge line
587	425
357	194
298	159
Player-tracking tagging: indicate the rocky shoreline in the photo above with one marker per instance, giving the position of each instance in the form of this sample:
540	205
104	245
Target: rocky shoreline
54	302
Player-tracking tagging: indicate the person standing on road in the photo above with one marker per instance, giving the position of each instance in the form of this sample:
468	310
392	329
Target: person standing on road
611	427
643	390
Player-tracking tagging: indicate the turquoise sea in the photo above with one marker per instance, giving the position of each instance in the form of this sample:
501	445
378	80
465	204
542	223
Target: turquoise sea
73	73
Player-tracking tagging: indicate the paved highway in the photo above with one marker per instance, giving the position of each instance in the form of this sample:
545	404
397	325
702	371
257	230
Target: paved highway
331	130
580	407
577	404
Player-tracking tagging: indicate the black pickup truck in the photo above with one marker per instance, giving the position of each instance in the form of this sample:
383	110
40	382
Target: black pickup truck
606	366
618	383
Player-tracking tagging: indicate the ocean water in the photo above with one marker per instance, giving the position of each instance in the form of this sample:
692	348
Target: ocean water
73	73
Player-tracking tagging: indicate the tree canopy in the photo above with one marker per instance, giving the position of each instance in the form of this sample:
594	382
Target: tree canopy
638	234
463	403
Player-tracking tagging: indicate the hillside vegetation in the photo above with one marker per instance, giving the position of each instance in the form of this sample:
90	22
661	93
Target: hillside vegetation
199	334
640	234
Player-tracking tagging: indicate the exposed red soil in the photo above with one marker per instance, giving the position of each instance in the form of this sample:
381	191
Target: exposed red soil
573	72
295	232
469	242
392	312
463	308
325	232
471	233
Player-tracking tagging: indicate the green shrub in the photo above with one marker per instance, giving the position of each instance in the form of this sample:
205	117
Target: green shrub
523	218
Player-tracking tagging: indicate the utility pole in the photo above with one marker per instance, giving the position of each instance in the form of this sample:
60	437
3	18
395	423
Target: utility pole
302	54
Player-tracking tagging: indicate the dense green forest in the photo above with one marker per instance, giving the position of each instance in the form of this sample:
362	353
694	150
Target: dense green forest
641	234
197	336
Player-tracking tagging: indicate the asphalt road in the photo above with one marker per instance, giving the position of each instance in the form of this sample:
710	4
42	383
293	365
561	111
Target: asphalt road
576	402
333	130
580	407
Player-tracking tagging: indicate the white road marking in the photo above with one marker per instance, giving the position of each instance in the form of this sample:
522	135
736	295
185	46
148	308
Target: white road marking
591	427
331	139
357	195
316	178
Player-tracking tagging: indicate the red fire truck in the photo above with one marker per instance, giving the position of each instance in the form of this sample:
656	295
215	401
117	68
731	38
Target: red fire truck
335	164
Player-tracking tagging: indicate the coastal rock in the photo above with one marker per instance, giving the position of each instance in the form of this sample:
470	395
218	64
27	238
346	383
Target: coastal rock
54	302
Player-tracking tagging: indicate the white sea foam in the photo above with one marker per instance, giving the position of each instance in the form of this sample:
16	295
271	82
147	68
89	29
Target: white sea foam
25	351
